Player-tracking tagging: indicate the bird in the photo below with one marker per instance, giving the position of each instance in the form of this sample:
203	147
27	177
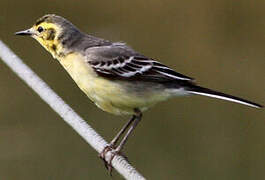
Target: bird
118	79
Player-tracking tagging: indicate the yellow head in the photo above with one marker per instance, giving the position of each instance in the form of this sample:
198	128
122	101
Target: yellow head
54	33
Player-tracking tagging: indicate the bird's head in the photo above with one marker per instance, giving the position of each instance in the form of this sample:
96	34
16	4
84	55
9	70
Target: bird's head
53	32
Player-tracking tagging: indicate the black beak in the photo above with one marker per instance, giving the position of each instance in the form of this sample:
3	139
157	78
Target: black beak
27	32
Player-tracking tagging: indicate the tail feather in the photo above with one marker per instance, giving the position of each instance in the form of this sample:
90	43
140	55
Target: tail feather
219	95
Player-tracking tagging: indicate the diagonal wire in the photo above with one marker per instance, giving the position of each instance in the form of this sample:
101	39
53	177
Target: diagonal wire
65	111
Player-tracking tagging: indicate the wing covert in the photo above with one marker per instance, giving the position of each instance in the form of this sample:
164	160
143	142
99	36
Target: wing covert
125	64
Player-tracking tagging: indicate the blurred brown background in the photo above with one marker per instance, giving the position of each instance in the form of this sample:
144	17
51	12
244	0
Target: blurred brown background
220	43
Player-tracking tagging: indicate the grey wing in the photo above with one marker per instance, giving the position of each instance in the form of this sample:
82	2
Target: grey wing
121	62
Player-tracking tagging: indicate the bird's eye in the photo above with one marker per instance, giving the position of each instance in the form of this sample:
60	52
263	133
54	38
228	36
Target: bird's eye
40	29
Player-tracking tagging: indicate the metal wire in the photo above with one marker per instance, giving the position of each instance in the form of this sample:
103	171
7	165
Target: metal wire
65	111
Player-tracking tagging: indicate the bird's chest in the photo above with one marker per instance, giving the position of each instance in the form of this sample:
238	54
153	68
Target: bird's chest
102	92
80	71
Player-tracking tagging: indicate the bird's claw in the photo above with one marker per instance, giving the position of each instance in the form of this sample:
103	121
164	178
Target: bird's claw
107	162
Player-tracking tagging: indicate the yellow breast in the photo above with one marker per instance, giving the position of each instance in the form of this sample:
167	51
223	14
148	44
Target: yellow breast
111	96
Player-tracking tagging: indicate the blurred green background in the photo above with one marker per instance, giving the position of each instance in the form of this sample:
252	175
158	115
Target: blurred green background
220	43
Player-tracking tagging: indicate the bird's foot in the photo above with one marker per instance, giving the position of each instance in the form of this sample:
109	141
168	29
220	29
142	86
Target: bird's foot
108	160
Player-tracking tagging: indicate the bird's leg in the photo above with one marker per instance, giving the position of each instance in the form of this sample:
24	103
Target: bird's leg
136	118
112	144
124	128
116	138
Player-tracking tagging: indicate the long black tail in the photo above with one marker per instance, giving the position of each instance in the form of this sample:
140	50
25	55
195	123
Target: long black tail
219	95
